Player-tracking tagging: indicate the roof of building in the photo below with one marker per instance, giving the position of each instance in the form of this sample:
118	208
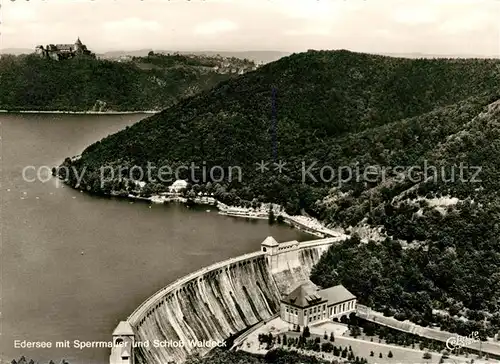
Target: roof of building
64	46
180	183
304	295
270	241
123	329
336	294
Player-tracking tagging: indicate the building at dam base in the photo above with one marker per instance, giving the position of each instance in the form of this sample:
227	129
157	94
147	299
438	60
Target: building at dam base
307	305
220	301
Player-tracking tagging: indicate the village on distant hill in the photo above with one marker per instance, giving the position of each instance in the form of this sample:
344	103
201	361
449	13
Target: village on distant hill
214	62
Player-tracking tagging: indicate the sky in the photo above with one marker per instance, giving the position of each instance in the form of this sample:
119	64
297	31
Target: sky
376	26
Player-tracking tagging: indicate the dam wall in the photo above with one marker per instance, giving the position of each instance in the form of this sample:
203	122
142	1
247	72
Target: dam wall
293	261
221	300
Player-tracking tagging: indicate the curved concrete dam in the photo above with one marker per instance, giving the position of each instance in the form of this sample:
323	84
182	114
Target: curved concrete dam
220	300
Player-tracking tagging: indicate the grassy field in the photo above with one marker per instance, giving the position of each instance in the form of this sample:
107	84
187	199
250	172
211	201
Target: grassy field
363	348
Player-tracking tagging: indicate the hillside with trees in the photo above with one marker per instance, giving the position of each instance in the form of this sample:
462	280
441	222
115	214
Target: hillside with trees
437	257
155	82
448	271
334	108
23	360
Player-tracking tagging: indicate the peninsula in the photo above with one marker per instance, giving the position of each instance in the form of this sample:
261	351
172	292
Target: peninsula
69	78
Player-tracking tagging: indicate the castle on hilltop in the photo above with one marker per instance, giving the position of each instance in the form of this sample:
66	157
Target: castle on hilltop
63	51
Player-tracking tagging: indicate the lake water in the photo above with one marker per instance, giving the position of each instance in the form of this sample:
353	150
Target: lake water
51	292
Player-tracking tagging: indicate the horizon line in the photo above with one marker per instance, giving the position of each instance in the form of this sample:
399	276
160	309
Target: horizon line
24	50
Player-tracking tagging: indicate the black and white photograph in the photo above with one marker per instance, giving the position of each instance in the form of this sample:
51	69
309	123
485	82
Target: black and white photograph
249	182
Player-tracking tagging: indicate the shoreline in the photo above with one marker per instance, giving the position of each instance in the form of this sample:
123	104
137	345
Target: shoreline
78	112
309	225
306	224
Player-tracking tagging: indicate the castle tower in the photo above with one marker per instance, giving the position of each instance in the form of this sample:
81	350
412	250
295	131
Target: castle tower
79	46
122	351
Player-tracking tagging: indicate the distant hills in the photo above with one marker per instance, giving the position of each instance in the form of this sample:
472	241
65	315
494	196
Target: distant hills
16	51
256	56
428	55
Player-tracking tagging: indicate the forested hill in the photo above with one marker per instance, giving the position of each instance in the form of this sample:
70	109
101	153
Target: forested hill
370	120
332	107
155	82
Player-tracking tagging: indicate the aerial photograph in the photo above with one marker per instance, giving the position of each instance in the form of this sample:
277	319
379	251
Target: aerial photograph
250	182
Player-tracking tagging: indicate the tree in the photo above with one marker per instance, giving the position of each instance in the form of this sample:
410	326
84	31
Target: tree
380	355
271	356
332	337
327	347
390	354
301	342
306	332
271	218
372	353
344	353
355	331
427	355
